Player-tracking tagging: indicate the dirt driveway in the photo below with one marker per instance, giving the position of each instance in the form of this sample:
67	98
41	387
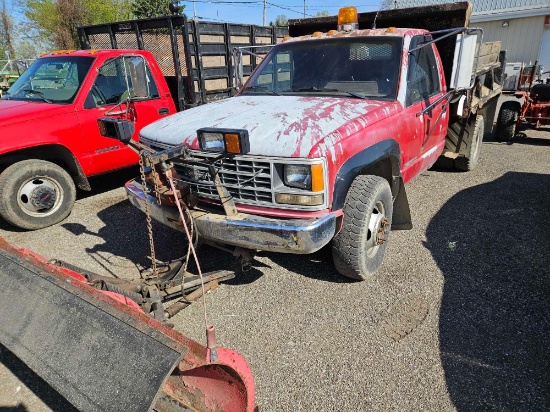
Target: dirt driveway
457	319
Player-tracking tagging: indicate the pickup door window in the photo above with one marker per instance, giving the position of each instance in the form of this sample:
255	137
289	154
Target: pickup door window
108	97
423	89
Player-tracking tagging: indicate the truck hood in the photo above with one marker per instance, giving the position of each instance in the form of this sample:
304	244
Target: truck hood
286	126
16	111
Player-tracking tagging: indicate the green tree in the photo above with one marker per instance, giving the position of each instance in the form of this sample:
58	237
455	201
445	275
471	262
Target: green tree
143	9
6	32
280	21
57	20
323	13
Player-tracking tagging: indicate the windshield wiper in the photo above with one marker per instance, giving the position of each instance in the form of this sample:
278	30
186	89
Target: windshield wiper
263	88
315	89
38	93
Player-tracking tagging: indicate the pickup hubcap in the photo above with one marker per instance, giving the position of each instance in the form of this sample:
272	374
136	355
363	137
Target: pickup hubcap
378	229
39	196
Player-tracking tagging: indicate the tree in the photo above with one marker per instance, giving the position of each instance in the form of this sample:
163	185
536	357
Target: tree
280	21
6	32
144	9
323	13
57	20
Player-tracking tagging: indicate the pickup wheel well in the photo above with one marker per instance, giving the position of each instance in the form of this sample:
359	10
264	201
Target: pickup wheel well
57	154
382	160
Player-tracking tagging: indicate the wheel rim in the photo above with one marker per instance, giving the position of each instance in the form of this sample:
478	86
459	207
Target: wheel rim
39	196
377	230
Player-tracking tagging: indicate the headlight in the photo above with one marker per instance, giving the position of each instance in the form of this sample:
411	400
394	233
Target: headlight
212	142
298	176
232	141
308	177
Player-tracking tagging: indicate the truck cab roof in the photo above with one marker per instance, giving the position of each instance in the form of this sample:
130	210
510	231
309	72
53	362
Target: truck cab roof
95	53
333	34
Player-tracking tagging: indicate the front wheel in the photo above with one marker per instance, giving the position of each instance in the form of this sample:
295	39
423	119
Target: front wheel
358	249
35	194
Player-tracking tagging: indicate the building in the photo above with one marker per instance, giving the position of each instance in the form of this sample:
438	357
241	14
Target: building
523	26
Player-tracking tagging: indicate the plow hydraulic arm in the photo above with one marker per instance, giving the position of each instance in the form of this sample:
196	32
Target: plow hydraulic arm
99	349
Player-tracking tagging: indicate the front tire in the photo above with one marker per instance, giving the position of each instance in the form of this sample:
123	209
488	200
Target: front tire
358	249
35	194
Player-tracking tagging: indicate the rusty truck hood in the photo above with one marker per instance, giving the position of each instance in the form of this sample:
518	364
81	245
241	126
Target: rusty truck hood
286	126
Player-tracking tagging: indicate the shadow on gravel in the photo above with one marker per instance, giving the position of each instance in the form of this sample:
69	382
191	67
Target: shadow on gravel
318	265
31	380
109	181
522	138
492	244
125	235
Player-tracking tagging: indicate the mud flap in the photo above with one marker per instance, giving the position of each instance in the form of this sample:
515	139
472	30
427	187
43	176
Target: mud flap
98	353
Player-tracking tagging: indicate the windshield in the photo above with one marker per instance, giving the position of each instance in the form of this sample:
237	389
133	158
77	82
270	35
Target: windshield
366	67
51	80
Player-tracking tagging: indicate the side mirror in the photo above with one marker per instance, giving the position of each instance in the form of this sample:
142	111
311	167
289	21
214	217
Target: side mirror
135	69
463	62
121	130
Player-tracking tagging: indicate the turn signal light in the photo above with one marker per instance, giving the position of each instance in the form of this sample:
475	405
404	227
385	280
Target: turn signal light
305	200
317	180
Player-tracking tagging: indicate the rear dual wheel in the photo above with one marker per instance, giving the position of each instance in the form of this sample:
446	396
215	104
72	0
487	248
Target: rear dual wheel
35	194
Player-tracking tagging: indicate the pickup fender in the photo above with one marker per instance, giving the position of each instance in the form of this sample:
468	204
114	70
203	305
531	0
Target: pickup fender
381	159
52	152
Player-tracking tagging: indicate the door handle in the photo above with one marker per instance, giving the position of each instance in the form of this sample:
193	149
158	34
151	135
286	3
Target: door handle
163	110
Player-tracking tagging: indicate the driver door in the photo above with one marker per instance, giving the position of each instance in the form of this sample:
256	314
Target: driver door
108	97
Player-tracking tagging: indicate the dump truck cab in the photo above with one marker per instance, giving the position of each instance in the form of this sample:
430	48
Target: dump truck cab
319	142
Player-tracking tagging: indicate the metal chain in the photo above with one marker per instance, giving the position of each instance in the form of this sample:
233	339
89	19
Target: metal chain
148	213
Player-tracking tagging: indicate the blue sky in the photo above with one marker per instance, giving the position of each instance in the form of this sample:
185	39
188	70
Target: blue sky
251	11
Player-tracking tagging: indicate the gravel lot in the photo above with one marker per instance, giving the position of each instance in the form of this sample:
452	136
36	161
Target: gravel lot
457	319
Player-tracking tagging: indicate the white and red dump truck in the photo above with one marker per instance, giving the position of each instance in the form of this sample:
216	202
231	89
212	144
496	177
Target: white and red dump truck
319	143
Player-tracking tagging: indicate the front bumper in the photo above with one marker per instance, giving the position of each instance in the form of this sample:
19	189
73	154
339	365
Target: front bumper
245	230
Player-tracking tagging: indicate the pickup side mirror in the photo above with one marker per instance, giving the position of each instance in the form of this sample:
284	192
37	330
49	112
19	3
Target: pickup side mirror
136	72
121	130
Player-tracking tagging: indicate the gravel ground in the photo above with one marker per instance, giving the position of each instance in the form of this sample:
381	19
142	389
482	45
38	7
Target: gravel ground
457	318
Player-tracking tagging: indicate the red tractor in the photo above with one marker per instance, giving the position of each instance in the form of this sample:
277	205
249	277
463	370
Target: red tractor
535	110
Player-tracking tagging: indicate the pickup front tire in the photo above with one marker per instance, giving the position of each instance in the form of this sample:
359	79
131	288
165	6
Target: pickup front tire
358	249
35	194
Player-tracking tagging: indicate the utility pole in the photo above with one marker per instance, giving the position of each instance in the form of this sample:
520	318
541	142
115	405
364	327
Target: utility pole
264	12
194	10
304	9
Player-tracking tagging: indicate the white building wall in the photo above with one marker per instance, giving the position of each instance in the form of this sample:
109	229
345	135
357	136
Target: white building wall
521	39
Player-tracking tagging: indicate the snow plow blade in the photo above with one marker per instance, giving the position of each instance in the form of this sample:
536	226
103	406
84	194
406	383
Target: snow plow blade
104	355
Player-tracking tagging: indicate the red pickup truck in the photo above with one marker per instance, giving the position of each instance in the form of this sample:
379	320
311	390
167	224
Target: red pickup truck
51	140
323	136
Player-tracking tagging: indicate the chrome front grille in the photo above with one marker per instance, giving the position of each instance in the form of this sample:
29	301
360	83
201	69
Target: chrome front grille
247	180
